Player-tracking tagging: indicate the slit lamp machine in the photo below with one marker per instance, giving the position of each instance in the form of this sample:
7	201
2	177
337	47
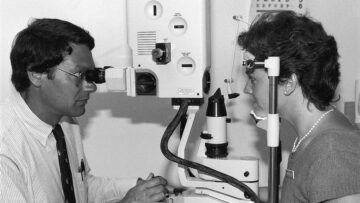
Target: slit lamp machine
170	54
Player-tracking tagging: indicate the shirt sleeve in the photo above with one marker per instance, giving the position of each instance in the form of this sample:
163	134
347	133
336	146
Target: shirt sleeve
335	175
102	189
12	186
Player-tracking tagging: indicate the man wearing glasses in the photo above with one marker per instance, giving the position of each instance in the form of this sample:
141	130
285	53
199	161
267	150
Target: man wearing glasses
41	152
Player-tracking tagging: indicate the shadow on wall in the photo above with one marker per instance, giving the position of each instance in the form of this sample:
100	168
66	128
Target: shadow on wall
142	109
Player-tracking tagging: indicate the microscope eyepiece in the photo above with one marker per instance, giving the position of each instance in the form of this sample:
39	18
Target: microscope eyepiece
96	75
216	105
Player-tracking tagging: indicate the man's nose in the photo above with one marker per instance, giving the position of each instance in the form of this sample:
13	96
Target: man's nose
248	88
89	86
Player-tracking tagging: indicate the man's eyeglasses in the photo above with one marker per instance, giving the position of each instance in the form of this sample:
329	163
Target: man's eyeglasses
95	75
80	76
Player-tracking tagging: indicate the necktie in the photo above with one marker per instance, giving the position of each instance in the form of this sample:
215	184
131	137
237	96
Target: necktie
66	178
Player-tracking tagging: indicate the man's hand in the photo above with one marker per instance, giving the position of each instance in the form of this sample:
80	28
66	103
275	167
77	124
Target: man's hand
153	189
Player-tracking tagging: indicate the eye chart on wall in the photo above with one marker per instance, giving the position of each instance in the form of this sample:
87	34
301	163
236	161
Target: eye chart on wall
260	6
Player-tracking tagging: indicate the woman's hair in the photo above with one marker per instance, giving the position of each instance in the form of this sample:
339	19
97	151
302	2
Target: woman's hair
304	49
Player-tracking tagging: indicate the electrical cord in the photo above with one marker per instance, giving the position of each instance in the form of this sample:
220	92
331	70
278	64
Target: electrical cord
166	152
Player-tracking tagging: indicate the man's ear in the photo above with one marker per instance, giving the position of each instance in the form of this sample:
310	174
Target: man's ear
36	78
290	85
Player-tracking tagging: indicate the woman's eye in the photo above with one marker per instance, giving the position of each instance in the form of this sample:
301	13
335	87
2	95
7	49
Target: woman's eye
252	80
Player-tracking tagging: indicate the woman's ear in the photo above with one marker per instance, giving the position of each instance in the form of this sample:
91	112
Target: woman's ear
290	85
35	78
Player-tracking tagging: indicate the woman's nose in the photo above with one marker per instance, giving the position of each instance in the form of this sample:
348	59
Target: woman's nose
248	88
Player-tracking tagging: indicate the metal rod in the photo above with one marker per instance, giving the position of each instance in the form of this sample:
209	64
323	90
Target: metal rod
273	82
273	184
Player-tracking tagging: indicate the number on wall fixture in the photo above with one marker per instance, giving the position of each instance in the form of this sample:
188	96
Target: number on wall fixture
261	6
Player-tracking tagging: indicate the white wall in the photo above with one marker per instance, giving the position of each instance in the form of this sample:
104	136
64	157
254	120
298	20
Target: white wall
122	134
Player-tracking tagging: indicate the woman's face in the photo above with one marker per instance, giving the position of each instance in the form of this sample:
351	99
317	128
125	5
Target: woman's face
257	86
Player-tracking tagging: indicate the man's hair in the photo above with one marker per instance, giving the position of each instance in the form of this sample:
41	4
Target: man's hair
43	45
304	49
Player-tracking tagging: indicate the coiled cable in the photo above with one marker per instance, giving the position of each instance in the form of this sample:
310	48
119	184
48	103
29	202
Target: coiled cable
166	152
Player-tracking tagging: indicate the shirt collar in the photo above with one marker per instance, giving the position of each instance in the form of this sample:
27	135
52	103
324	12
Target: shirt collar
36	127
